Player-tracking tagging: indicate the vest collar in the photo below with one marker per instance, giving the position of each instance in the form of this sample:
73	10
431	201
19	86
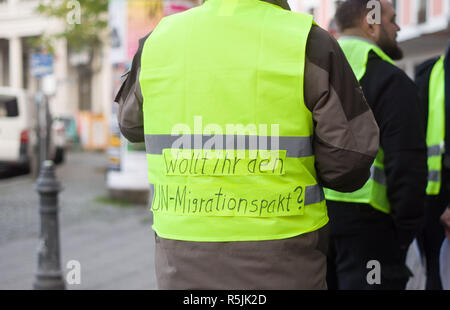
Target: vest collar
357	38
379	51
280	3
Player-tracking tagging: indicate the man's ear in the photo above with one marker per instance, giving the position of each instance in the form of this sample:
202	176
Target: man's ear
369	29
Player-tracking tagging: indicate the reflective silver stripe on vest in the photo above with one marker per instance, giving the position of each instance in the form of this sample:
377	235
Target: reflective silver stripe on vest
314	194
435	150
434	176
150	194
296	147
378	175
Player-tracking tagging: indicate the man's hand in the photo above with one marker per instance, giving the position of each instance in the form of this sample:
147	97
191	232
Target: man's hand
445	219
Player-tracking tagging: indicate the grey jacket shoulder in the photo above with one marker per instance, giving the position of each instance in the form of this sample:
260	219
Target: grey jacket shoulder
129	98
346	134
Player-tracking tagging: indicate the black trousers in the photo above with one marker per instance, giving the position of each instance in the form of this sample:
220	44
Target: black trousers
431	238
351	254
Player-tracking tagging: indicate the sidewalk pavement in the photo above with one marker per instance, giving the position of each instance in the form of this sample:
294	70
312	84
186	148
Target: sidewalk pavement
113	243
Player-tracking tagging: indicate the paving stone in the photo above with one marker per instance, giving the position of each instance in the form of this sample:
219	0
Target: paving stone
114	245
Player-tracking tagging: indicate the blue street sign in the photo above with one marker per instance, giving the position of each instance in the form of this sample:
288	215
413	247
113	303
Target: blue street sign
41	64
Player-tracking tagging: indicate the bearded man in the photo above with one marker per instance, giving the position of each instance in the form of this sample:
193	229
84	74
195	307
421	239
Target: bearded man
372	228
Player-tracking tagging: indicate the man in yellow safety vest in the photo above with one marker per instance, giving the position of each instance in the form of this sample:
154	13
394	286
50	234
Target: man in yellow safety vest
372	228
433	81
247	109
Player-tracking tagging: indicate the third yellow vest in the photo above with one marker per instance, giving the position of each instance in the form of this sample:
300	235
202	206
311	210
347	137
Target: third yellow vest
436	127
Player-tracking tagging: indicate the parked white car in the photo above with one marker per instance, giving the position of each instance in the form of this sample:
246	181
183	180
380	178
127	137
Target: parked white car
17	127
18	131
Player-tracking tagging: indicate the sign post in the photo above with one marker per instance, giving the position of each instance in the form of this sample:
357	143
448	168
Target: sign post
49	274
42	66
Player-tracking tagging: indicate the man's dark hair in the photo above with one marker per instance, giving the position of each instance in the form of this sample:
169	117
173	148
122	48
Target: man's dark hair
350	13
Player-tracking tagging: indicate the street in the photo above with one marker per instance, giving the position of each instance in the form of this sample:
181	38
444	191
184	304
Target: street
112	241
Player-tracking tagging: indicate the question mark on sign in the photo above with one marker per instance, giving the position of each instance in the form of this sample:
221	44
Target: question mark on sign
299	198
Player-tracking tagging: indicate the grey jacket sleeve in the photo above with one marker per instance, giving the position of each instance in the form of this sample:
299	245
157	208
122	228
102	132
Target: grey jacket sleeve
130	116
129	98
346	137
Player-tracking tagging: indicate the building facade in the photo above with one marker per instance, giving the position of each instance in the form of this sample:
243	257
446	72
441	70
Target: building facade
425	33
19	22
425	30
425	26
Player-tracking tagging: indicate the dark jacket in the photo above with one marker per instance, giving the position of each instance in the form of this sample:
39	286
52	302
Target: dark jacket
393	97
346	134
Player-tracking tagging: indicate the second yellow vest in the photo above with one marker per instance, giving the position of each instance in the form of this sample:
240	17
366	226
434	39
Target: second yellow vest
374	192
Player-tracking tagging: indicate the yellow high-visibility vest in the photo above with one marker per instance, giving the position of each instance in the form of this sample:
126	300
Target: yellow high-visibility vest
228	135
436	127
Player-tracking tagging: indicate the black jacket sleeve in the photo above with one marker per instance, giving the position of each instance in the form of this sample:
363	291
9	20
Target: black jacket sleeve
394	99
422	80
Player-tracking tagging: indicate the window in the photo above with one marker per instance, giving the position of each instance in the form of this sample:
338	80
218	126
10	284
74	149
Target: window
8	106
423	12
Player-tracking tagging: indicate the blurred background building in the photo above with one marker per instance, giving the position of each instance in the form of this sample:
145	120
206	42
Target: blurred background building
80	92
425	26
425	33
18	23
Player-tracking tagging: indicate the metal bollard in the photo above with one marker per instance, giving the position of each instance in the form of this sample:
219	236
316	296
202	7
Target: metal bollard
49	274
